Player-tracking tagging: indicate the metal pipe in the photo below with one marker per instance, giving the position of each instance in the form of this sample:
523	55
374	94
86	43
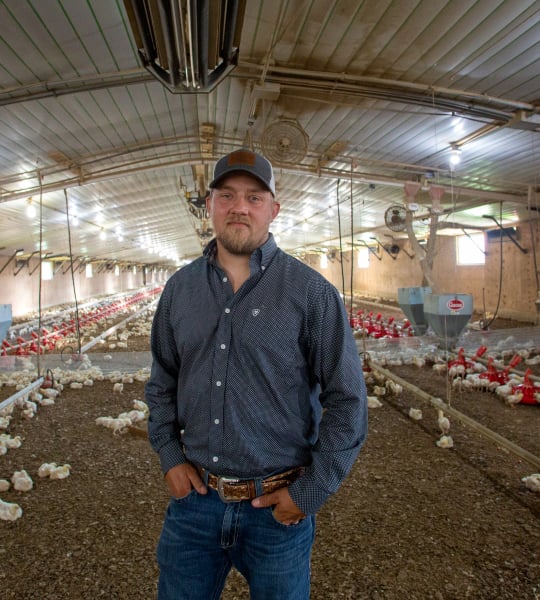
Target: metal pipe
11	258
21	393
201	47
384	248
505	231
333	78
370	249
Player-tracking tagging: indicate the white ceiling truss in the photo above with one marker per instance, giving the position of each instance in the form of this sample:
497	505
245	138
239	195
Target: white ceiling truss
354	99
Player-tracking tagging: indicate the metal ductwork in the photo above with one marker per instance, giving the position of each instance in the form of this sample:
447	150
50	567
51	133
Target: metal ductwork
188	45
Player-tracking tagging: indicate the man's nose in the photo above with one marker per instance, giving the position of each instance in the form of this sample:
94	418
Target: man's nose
240	204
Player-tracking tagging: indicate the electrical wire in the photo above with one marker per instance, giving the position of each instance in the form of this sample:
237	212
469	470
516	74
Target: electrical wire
487	325
40	285
340	241
77	324
352	244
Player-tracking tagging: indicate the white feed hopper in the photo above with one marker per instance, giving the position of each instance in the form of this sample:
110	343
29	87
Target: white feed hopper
5	320
448	314
411	302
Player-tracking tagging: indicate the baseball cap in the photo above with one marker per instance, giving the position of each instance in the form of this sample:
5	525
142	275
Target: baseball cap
249	162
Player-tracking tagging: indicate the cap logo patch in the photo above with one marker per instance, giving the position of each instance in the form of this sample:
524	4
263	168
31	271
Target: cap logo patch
241	158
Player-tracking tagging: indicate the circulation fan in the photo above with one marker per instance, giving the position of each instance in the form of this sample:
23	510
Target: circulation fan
284	142
394	218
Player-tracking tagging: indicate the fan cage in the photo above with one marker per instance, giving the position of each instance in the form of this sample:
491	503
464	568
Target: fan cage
394	217
284	142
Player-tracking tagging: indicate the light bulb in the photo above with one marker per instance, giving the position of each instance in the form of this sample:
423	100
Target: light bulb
455	156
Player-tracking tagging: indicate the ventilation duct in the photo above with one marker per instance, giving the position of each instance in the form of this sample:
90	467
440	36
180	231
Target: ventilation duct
188	45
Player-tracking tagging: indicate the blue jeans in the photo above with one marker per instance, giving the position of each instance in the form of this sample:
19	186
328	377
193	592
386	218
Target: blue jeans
203	537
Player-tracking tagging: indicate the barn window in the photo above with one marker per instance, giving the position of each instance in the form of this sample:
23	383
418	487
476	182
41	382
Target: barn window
470	249
363	258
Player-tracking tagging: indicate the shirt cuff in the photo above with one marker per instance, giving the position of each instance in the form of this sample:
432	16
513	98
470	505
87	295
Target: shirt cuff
171	455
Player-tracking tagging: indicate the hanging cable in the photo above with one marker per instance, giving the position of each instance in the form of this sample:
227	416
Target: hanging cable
340	241
352	243
485	326
77	324
38	341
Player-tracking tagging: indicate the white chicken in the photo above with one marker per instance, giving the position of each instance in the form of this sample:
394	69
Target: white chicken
60	472
443	422
445	441
22	482
4	485
379	391
373	402
532	482
45	469
10	511
415	414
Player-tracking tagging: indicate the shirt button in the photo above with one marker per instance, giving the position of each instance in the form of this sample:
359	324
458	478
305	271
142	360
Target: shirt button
223	346
227	310
224	280
263	268
216	421
218	383
215	459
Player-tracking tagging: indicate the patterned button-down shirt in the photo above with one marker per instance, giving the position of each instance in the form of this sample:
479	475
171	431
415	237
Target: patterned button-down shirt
255	382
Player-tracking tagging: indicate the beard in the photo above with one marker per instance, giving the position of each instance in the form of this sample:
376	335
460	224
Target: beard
239	242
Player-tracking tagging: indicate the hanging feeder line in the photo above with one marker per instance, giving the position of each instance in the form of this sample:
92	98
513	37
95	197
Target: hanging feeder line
462	418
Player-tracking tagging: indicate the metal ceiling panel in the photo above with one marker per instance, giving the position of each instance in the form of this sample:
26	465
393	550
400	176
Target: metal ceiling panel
380	89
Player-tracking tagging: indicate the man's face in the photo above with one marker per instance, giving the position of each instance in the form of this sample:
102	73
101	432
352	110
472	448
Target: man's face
241	209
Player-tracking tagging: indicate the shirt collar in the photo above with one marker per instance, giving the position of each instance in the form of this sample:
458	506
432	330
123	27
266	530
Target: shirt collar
260	256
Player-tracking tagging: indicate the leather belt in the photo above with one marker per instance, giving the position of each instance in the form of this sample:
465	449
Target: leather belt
235	489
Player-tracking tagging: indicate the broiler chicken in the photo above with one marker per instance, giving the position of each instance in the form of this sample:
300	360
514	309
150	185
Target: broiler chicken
443	422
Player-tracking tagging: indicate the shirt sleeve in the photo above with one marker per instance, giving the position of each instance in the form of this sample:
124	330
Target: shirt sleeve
335	363
161	388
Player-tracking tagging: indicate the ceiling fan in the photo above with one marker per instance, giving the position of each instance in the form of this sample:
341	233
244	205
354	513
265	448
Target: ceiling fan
284	142
394	217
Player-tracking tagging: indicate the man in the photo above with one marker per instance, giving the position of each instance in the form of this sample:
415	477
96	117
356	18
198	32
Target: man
257	400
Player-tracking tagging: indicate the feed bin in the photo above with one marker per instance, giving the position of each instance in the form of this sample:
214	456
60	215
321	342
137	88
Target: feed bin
5	320
448	314
411	302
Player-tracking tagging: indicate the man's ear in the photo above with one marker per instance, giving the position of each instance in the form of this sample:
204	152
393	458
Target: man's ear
275	209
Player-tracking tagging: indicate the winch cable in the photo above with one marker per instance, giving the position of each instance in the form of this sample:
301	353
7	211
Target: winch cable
352	245
340	241
77	323
38	356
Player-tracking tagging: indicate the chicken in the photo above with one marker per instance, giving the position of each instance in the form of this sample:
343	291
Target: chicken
10	511
532	482
393	387
60	472
45	469
415	414
379	391
4	485
445	441
139	405
373	402
21	481
443	422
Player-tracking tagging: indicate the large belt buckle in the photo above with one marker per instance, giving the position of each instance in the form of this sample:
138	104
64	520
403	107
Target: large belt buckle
221	482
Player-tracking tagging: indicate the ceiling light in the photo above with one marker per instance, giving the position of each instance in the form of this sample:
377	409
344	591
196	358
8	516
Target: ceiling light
102	234
455	156
30	209
186	45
